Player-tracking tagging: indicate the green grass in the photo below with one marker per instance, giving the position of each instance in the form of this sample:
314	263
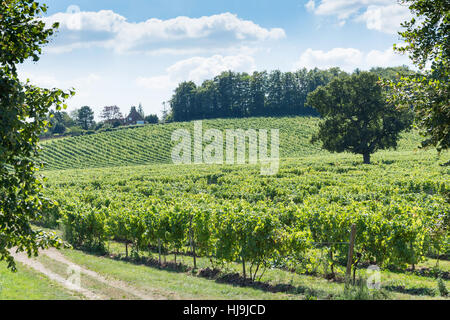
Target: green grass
27	284
185	285
168	284
87	282
396	285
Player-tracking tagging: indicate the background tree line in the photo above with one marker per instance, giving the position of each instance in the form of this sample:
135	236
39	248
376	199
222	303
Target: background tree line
81	120
276	93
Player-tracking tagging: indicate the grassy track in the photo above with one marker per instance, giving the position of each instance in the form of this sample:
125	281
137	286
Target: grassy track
27	284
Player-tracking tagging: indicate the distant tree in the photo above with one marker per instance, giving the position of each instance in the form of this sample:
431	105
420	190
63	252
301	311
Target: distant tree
85	118
275	94
111	113
59	128
258	85
116	123
140	110
23	118
74	115
152	118
165	112
183	101
356	117
427	38
60	121
66	119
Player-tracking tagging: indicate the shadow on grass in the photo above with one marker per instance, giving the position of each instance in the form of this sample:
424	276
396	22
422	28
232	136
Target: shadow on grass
411	291
154	263
236	280
433	272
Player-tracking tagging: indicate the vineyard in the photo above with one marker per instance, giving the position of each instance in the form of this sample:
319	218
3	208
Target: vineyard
152	144
231	214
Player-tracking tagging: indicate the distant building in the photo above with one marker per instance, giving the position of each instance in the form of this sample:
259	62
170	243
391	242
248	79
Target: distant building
133	118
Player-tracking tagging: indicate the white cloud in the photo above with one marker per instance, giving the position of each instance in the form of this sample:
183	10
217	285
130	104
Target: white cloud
86	87
343	9
103	20
385	19
198	69
337	57
42	80
108	29
310	5
158	82
381	15
349	59
49	80
387	58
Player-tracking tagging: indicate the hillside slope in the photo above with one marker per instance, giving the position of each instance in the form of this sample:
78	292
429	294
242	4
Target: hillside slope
151	144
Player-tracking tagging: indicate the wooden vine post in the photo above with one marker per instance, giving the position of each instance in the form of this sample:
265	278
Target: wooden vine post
159	250
350	254
191	239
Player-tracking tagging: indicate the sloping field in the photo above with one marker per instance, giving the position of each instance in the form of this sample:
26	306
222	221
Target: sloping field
151	144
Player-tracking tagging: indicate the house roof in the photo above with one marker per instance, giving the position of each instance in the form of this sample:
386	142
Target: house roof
134	115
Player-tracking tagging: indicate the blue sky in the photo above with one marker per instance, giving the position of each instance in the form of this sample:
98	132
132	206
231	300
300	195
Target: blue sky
117	52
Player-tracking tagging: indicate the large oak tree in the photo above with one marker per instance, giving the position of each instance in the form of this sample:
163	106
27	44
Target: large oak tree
356	117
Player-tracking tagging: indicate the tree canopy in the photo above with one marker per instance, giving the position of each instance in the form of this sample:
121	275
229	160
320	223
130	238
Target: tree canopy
276	93
356	117
23	117
85	117
111	113
236	95
152	118
428	46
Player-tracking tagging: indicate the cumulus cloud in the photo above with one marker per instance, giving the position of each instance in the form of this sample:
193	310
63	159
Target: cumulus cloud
108	29
42	80
198	69
86	87
381	15
385	19
310	5
349	59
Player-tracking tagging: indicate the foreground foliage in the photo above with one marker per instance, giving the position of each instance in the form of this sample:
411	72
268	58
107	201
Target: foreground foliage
23	112
428	46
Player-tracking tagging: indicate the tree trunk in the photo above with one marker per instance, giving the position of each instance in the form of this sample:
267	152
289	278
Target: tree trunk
366	158
243	268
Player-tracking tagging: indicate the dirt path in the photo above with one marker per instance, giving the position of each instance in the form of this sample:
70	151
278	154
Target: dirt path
39	267
58	256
